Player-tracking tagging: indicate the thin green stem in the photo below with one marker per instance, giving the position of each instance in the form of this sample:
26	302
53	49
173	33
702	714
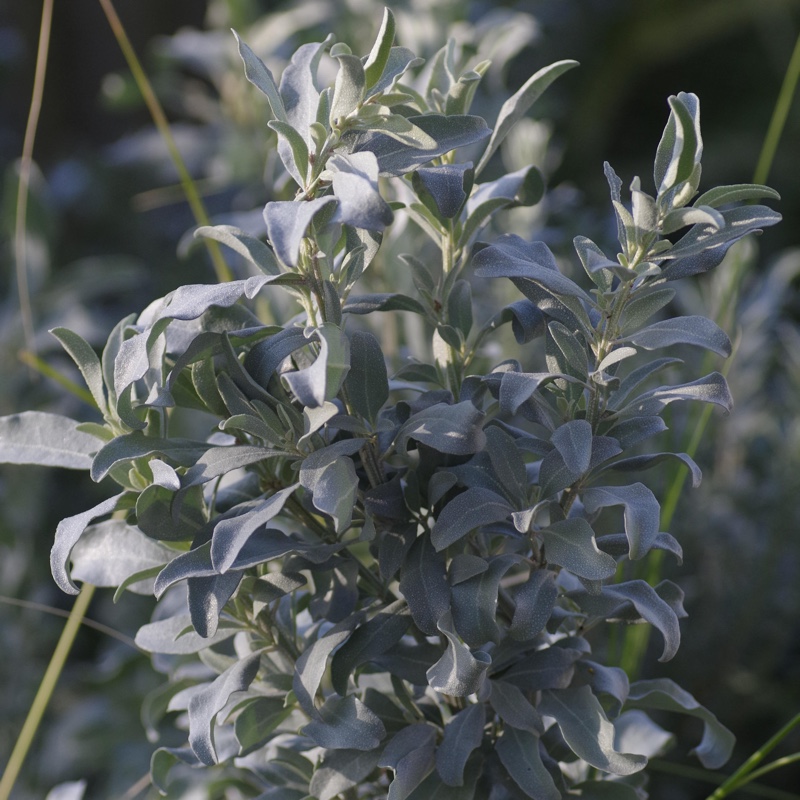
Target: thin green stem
25	166
159	118
741	775
36	363
779	115
706	776
45	692
134	791
778	763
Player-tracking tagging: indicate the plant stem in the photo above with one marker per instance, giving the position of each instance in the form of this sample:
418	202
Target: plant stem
779	115
35	363
706	776
25	165
159	118
743	774
43	695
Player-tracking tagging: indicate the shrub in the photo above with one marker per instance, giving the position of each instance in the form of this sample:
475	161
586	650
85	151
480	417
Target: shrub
371	585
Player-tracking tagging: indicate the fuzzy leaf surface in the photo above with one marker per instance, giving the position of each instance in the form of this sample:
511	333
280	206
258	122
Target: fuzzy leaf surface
423	583
641	512
587	730
68	532
465	512
570	543
207	703
462	734
345	723
449	133
716	746
458	672
50	440
695	330
519	753
111	551
518	104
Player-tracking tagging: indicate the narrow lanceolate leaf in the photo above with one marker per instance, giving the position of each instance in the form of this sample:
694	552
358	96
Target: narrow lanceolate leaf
50	440
216	461
458	672
164	758
345	723
335	491
367	383
722	195
695	330
293	150
519	753
379	55
573	440
396	158
129	447
518	104
230	535
84	356
512	257
517	388
507	463
467	511
320	382
551	668
641	512
367	303
369	641
257	73
310	666
474	605
207	598
614	602
462	734
207	703
340	770
712	388
683	217
411	755
175	636
570	544
423	583
681	145
716	746
250	248
514	708
68	532
257	722
639	463
535	600
587	730
348	91
739	222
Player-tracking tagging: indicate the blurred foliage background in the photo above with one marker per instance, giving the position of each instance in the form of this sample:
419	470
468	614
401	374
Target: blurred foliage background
107	228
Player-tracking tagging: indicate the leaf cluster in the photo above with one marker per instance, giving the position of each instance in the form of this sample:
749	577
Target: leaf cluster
399	574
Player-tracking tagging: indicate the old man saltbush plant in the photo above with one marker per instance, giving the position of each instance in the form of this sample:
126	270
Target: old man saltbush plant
370	585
